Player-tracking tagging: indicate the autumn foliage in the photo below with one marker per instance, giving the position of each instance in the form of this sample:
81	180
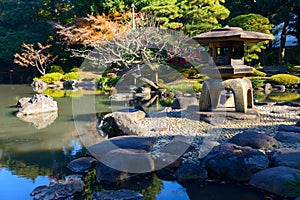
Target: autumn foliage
39	58
93	30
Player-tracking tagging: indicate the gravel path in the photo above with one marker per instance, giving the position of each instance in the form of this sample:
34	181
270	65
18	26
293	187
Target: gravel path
179	122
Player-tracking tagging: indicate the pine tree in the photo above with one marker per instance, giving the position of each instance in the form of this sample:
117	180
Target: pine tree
200	16
166	13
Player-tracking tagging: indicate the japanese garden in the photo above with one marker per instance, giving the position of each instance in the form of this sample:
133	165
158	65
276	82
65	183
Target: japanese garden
150	99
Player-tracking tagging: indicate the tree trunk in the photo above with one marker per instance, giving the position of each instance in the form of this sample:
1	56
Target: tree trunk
282	43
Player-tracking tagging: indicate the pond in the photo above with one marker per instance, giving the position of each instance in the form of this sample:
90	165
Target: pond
32	155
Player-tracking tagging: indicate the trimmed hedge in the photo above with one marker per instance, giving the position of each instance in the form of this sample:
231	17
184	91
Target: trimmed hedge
285	79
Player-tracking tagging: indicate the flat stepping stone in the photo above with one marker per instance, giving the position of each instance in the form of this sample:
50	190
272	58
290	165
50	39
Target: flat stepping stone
253	139
81	165
285	157
287	137
287	128
123	142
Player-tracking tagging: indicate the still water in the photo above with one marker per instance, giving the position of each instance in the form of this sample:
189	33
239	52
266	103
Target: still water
31	155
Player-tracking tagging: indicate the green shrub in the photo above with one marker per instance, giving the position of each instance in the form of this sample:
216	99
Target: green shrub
256	82
256	72
285	79
56	68
166	102
71	76
189	73
197	87
113	81
52	77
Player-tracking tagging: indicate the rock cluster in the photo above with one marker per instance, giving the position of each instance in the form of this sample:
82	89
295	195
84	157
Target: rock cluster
246	153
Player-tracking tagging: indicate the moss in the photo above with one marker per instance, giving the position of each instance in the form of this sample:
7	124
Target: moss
285	79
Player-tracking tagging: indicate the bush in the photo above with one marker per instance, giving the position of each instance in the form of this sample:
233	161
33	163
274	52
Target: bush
166	102
256	82
56	68
197	87
71	76
52	77
256	72
285	79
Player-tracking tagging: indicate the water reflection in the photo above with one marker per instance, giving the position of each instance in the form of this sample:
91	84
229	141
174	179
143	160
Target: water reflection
275	96
30	157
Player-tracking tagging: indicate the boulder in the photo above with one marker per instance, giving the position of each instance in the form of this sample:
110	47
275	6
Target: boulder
121	164
285	157
123	123
188	172
184	102
81	165
288	128
235	162
39	86
39	103
287	137
62	189
21	102
123	142
253	139
120	195
277	180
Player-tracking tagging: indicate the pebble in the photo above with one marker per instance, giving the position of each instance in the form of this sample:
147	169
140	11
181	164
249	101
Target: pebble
165	124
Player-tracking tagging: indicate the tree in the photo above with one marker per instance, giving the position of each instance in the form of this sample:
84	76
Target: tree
39	58
194	16
166	13
91	30
200	16
19	22
252	22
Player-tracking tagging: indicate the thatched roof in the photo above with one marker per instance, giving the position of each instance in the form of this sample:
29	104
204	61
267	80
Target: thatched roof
232	34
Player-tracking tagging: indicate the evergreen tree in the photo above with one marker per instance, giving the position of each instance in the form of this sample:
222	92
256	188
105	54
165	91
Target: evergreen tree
166	13
201	16
252	22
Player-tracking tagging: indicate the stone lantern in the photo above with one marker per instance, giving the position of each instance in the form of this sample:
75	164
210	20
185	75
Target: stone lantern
226	47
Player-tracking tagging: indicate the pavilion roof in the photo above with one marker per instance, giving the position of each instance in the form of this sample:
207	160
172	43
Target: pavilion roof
231	34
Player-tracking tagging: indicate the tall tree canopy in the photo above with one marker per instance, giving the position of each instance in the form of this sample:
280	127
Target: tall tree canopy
194	16
252	22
